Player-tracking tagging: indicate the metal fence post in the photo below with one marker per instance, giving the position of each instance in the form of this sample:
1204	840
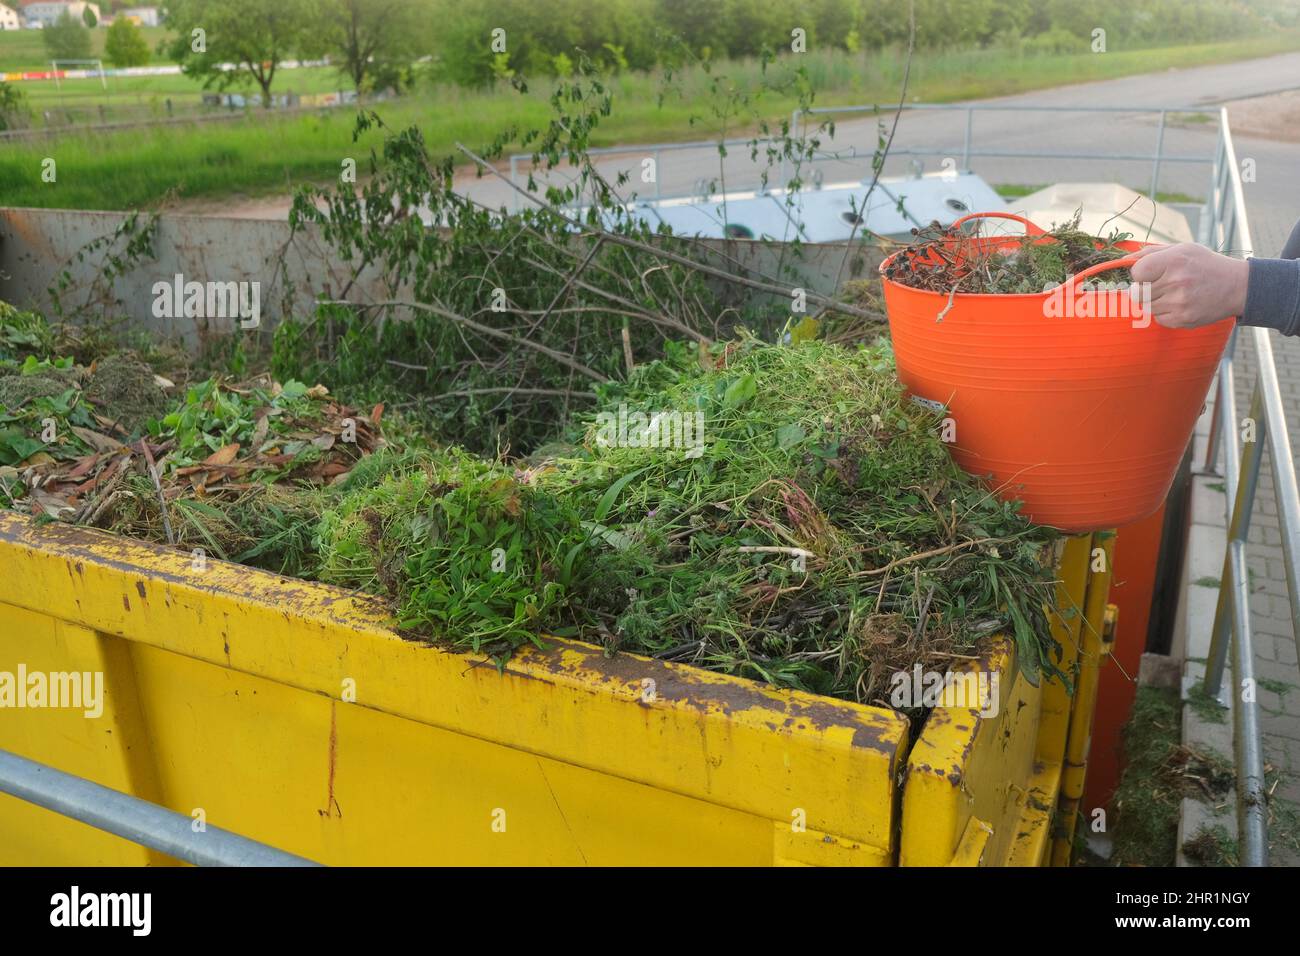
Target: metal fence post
1241	484
965	149
1212	442
1160	146
1285	487
1234	585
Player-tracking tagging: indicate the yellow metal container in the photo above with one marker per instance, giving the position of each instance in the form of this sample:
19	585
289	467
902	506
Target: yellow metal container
290	713
1000	785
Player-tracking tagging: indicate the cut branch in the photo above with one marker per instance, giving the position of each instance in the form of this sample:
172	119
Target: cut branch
621	240
567	360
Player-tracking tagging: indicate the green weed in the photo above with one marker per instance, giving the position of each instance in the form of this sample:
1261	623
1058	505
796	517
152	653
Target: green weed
818	537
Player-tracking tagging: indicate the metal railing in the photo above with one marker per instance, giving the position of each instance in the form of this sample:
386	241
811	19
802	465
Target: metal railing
134	819
1265	421
968	151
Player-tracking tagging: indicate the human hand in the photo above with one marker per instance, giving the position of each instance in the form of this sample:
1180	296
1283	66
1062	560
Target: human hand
1188	285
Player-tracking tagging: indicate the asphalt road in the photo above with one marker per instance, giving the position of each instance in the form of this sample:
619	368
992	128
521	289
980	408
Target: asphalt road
1122	129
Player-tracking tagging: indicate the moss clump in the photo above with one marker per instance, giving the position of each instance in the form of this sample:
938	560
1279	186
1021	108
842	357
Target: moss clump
1211	846
1159	772
123	389
1206	707
17	389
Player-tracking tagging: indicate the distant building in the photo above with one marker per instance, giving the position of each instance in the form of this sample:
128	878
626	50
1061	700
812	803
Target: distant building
46	12
143	16
9	19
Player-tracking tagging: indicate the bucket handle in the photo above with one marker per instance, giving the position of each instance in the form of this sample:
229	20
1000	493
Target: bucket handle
1124	263
1030	228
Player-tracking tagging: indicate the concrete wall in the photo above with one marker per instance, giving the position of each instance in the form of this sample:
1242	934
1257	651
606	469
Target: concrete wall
36	245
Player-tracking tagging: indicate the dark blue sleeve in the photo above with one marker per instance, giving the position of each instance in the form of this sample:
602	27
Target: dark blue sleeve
1273	290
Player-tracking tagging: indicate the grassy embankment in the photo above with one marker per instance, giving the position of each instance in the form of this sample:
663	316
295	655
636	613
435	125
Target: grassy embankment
270	154
24	51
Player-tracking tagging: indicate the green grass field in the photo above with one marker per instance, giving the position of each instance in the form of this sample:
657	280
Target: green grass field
129	93
265	154
127	97
23	51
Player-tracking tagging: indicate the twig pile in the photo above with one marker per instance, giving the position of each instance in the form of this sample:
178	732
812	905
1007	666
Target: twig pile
946	261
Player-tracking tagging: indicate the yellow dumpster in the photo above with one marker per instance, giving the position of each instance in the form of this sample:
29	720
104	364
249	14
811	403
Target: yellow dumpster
289	712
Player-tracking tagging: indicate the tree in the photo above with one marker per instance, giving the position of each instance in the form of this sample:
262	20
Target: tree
697	22
88	17
67	39
465	56
373	39
13	107
254	35
125	45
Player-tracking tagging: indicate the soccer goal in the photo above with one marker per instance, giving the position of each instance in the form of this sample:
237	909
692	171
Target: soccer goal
97	64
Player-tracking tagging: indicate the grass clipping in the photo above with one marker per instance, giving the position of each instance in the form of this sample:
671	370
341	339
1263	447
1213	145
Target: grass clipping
1159	773
776	513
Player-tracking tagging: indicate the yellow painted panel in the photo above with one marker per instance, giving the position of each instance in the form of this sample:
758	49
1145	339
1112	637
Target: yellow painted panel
989	779
972	763
343	784
241	678
1070	594
1093	645
102	742
1034	830
797	846
290	713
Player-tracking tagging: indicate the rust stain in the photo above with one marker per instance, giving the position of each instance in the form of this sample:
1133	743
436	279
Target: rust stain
26	226
126	602
332	808
677	684
107	551
938	718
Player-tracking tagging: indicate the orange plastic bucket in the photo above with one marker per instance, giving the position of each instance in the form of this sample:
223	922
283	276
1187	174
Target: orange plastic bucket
1074	401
